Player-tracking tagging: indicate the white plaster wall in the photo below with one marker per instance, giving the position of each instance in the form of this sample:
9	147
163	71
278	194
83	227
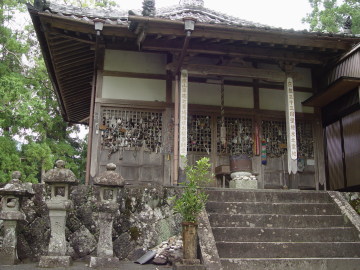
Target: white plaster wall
209	94
271	99
139	62
300	97
133	89
303	77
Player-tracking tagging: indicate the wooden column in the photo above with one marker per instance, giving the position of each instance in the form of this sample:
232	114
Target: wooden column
183	118
175	175
290	124
318	133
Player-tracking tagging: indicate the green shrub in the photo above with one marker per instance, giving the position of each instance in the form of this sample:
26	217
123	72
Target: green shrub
192	201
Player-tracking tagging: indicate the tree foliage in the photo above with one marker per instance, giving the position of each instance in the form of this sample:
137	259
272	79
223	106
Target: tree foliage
33	133
330	15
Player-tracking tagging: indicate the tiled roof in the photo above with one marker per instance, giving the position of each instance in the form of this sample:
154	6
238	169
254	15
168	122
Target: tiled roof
203	15
176	12
110	16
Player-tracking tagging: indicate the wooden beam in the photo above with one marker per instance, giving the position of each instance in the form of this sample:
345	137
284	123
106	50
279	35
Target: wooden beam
236	51
334	91
271	36
265	74
134	75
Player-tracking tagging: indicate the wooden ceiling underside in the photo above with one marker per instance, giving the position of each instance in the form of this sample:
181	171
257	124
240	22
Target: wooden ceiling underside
72	57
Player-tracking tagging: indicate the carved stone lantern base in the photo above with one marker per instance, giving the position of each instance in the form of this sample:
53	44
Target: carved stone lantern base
55	261
243	180
103	262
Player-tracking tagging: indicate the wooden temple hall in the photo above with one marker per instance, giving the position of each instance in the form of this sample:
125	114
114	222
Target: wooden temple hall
158	85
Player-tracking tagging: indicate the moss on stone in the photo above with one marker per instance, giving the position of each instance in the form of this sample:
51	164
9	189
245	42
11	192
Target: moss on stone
134	233
164	230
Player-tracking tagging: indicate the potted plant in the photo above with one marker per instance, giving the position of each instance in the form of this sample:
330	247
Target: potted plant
191	202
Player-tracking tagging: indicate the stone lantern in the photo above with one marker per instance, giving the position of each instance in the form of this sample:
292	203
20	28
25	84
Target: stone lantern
59	180
109	182
11	212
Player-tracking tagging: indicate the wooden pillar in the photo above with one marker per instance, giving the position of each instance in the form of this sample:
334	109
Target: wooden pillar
290	124
319	152
175	175
91	167
183	118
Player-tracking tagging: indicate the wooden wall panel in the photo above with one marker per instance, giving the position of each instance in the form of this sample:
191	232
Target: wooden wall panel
351	134
334	155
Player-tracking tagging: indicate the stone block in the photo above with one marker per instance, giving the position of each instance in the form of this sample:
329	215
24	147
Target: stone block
189	264
55	261
243	184
103	262
7	256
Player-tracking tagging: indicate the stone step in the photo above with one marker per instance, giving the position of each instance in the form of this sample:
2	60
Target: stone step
292	263
275	220
332	234
288	250
234	195
235	208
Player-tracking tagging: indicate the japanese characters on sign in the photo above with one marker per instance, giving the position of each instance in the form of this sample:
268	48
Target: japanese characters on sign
183	113
290	123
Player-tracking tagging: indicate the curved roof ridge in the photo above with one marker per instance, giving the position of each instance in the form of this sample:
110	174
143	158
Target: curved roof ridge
178	9
86	12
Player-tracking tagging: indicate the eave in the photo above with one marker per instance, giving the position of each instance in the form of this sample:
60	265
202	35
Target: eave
333	92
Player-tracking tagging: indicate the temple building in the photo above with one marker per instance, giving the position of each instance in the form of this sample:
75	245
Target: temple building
162	86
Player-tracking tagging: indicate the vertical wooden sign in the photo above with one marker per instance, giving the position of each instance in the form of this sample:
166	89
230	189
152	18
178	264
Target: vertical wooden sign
291	126
183	117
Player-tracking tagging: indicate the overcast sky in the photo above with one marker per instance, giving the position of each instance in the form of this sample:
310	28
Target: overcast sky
279	13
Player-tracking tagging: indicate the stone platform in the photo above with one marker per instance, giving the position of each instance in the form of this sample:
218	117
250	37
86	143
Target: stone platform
123	265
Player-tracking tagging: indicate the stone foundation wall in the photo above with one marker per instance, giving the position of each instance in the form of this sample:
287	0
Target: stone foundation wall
354	199
144	219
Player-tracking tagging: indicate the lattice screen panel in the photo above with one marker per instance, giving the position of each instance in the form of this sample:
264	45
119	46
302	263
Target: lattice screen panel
130	129
274	132
239	136
199	133
305	140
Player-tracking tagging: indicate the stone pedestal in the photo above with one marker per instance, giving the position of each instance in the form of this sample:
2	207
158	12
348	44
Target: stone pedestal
243	180
55	261
57	245
189	264
105	254
104	262
8	255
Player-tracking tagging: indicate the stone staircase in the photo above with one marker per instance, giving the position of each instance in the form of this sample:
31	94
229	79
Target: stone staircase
277	229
